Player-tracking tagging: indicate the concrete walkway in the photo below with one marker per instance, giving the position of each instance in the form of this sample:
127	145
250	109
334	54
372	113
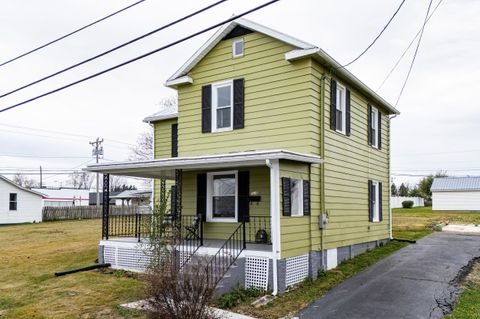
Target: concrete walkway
419	281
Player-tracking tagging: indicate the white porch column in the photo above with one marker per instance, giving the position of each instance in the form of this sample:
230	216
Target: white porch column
275	217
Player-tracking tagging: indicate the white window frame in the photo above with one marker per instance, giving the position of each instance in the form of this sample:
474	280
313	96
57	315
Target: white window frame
210	217
234	42
376	202
374	125
342	107
300	212
215	86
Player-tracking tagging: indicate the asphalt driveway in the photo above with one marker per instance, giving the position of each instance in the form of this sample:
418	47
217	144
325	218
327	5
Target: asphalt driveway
419	281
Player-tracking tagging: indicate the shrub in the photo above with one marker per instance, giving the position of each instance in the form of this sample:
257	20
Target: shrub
427	203
407	204
238	295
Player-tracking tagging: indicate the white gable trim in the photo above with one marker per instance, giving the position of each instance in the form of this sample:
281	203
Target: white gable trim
20	187
220	34
181	80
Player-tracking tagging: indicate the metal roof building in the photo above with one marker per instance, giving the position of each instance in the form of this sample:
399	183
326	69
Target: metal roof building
456	193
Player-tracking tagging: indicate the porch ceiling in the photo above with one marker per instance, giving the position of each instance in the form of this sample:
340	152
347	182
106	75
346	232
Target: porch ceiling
165	167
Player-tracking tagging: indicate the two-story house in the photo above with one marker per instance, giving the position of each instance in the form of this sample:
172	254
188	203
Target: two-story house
282	154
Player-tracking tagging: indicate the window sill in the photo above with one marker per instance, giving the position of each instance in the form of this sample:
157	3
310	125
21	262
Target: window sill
222	220
228	129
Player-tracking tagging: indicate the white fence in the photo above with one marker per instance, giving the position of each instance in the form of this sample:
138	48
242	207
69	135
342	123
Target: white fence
396	201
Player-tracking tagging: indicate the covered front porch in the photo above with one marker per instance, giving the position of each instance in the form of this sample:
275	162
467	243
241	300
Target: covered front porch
224	206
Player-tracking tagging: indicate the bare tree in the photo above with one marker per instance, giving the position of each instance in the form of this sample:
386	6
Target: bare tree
143	149
116	182
81	180
24	181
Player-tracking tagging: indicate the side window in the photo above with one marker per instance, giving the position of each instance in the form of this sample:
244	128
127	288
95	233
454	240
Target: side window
222	106
375	201
340	111
374	127
13	201
295	197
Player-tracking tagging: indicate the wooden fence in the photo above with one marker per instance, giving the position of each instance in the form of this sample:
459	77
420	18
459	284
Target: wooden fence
87	212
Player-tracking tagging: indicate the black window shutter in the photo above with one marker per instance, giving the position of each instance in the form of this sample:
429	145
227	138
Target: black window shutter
206	108
379	130
238	103
306	198
174	140
369	130
243	194
173	200
286	197
333	104
202	196
380	214
370	201
347	112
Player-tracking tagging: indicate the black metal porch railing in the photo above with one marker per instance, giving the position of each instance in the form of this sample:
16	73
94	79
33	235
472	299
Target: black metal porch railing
258	230
140	225
226	255
191	238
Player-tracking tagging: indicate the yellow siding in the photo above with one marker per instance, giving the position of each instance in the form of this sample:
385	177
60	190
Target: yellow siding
295	230
349	163
277	99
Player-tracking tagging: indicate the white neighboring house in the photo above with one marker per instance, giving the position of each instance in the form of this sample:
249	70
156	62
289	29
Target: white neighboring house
18	204
63	197
456	193
133	198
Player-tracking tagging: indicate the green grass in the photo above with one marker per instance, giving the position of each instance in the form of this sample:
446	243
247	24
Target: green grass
414	223
30	255
468	305
310	290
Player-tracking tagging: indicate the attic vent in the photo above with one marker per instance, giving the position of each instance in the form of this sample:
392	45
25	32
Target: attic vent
237	48
237	32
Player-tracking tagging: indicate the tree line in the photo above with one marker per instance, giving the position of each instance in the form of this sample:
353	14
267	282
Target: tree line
422	189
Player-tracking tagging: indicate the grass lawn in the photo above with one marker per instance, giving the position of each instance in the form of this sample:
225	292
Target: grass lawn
31	253
468	305
412	223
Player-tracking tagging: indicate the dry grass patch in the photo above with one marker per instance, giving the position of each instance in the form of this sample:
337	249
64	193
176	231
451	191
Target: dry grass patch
31	253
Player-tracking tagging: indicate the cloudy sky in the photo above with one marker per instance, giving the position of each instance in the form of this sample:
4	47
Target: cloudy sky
437	130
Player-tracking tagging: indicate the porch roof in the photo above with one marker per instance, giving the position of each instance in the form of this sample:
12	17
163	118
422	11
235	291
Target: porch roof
165	167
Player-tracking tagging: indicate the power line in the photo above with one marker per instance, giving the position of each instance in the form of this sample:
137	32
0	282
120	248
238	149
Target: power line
408	47
141	56
378	36
61	133
114	49
71	33
415	53
41	156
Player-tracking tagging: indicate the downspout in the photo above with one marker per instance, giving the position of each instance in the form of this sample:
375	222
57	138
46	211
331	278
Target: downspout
322	165
152	203
275	218
390	177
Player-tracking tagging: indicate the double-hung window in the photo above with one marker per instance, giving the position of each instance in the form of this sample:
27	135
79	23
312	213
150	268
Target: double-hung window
13	201
341	109
375	201
374	127
222	196
222	106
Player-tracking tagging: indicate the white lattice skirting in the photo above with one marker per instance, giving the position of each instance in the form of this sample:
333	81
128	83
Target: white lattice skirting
132	259
296	269
256	272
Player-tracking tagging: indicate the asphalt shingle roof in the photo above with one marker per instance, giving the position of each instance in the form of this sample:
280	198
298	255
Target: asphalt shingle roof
456	183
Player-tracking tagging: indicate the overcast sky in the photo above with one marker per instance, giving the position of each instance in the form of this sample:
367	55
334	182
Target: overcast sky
437	130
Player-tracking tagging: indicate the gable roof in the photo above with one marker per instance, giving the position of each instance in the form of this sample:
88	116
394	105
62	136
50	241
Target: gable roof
20	187
167	112
456	184
303	50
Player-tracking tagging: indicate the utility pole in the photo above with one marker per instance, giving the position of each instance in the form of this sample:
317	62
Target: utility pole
41	184
97	152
